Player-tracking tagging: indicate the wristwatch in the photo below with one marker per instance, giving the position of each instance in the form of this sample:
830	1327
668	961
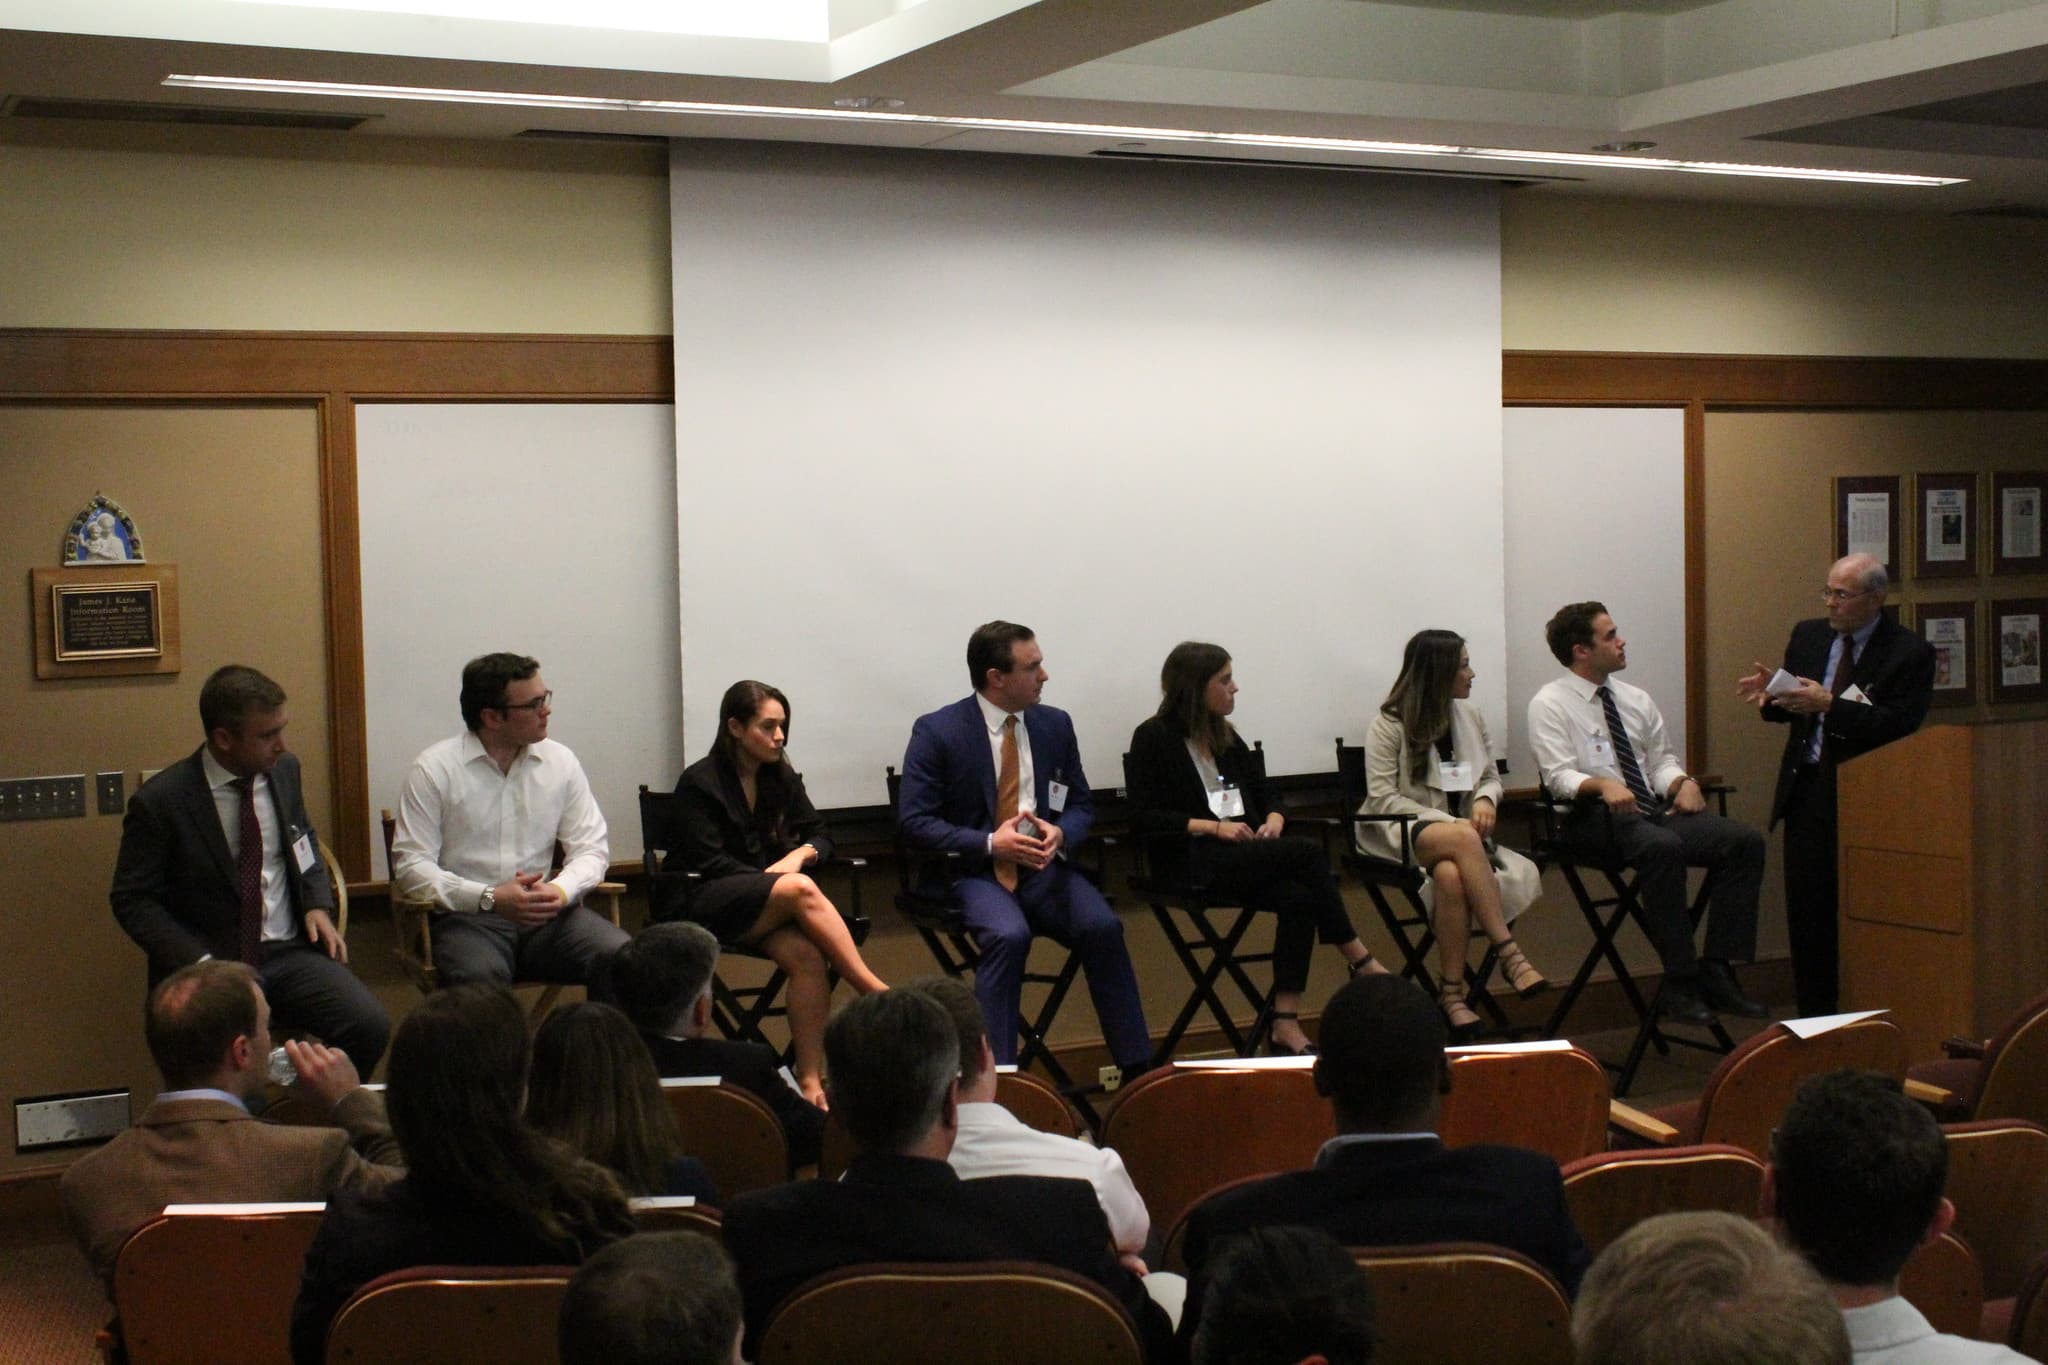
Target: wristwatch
487	901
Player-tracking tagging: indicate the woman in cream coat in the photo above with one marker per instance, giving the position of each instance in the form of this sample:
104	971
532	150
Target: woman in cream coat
1428	755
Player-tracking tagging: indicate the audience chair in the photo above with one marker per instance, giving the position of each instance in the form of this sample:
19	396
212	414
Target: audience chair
1610	1192
923	898
201	1288
1604	917
413	935
1944	1281
2004	1077
1183	1131
732	1131
428	1315
664	1213
1750	1089
968	1313
1557	1103
1998	1181
2029	1332
739	1011
1409	925
1465	1303
1205	954
1038	1104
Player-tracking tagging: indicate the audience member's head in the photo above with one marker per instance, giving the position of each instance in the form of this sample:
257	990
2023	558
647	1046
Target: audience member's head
1705	1289
661	1298
457	1081
1282	1296
594	1088
484	680
1383	1067
1571	626
956	998
1856	1176
662	978
892	1061
209	1025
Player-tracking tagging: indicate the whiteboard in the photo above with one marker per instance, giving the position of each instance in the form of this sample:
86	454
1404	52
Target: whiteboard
541	529
1596	511
1124	405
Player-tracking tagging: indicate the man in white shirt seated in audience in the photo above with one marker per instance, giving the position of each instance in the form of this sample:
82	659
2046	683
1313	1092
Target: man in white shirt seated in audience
1855	1181
208	1027
478	821
1600	747
993	1141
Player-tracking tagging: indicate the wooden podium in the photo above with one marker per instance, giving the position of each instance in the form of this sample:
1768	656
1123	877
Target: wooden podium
1944	867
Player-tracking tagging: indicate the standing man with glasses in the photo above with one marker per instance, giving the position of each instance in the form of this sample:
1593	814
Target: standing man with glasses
1863	681
1600	745
478	822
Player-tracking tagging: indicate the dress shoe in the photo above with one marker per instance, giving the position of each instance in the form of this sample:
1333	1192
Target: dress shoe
1719	988
1679	1001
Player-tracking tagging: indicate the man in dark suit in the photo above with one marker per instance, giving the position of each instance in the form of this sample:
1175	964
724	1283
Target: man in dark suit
1842	707
209	1033
1387	1179
996	778
661	978
892	1066
218	859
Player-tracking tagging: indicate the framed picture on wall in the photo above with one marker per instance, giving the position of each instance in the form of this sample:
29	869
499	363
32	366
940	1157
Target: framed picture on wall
1867	518
2016	522
2015	649
1950	628
1946	546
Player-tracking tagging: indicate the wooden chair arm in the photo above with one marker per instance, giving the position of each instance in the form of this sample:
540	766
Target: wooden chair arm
611	891
1933	1096
1634	1121
1964	1049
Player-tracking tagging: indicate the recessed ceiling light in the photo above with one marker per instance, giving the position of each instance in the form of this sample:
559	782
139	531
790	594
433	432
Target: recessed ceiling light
1624	146
1098	131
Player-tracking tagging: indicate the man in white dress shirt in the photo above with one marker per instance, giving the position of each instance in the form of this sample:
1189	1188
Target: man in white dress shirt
478	821
1600	745
1855	1181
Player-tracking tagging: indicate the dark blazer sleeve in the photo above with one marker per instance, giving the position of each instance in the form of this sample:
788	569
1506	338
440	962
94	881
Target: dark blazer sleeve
312	888
1897	673
1064	763
1165	790
709	837
1806	656
806	825
932	765
141	893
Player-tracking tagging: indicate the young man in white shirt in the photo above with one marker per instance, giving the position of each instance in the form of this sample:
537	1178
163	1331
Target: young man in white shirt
478	821
1600	745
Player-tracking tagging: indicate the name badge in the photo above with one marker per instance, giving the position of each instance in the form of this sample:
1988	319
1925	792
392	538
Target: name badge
1457	775
1599	752
302	850
1056	796
1226	803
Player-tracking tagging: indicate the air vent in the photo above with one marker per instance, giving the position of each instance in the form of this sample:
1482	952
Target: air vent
1197	159
578	135
124	111
2033	212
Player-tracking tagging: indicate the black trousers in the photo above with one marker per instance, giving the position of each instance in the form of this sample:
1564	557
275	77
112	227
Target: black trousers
1811	891
1289	878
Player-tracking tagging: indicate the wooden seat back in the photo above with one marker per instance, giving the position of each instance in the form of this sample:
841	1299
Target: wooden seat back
1550	1102
1944	1281
1752	1086
733	1132
1998	1181
1464	1303
428	1315
1610	1192
200	1288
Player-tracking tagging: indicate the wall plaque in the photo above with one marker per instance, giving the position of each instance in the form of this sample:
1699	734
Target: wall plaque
90	623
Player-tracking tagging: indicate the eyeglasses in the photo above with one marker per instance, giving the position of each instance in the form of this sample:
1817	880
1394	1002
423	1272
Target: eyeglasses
540	702
1843	595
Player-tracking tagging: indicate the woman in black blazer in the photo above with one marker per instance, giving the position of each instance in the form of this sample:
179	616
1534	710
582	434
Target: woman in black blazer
1202	807
746	826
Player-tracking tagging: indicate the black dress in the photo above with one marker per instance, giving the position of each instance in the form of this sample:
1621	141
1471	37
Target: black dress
727	844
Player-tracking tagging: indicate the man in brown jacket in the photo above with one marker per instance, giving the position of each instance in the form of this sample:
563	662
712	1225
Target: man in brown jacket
208	1027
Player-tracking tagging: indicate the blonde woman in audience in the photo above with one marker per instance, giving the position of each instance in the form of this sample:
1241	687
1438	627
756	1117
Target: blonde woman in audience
1428	755
594	1089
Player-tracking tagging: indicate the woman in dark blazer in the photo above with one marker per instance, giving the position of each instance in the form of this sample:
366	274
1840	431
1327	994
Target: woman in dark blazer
747	827
1201	804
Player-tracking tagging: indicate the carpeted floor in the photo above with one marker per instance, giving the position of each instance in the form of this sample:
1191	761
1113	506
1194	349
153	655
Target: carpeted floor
50	1304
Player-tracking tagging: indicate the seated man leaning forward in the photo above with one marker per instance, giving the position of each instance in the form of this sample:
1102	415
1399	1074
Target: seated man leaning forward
1600	746
997	779
662	980
892	1068
208	1027
1855	1182
218	859
478	822
1387	1179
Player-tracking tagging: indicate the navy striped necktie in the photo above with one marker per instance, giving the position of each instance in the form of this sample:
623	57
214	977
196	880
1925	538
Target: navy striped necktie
1625	755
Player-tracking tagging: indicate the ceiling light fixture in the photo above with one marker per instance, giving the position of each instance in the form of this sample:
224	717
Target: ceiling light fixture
1119	132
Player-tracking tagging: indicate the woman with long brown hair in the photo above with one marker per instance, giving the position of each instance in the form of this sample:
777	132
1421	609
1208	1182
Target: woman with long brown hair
1193	776
749	829
1428	755
594	1089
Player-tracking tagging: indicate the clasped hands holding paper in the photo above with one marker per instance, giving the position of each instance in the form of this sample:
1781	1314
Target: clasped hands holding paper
1800	696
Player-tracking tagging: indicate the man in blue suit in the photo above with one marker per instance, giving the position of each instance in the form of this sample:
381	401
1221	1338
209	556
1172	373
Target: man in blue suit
997	779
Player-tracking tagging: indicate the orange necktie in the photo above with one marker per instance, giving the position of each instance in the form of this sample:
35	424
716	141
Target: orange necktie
1006	797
